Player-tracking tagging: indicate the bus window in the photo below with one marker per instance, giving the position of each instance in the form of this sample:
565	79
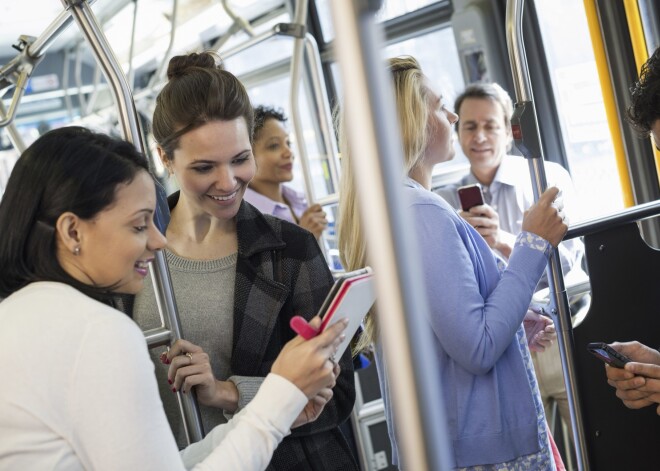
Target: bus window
391	9
587	140
443	70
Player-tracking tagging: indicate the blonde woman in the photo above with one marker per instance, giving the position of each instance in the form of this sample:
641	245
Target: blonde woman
477	304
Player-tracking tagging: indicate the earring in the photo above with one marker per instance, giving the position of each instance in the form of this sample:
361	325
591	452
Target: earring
76	250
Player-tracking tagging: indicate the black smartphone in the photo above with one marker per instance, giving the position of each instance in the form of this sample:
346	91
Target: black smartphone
470	196
607	354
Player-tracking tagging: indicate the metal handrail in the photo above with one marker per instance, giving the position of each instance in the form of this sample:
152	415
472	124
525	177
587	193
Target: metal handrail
301	47
277	30
374	140
532	150
18	70
294	95
129	121
158	75
21	83
14	136
78	78
131	48
628	215
52	31
325	114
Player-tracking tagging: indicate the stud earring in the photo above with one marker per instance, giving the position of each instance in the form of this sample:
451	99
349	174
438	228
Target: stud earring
76	250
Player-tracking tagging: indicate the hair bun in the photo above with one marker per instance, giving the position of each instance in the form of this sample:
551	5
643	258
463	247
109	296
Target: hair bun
179	65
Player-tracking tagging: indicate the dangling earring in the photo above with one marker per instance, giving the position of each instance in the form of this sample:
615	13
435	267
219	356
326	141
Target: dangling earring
76	250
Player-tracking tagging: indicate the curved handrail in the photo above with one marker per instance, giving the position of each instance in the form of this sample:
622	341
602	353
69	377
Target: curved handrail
158	75
325	115
19	69
14	136
294	94
129	121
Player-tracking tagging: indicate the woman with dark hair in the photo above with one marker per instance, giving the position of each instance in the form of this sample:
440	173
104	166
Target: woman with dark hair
239	276
77	229
267	192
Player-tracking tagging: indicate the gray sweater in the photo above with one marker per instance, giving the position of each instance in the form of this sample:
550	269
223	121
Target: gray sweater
204	292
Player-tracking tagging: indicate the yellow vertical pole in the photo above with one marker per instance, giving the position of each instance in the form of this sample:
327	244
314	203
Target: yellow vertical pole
640	52
613	120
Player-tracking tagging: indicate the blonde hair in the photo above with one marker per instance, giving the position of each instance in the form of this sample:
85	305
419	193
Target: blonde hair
412	111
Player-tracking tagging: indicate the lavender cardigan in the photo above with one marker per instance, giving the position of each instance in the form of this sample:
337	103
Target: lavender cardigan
476	312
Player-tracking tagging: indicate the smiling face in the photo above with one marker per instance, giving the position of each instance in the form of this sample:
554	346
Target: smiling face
213	165
117	245
484	135
272	151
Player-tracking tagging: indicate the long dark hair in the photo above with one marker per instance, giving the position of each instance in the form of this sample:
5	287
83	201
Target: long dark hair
67	169
198	91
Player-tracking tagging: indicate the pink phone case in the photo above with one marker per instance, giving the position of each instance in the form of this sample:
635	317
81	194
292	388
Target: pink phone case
301	327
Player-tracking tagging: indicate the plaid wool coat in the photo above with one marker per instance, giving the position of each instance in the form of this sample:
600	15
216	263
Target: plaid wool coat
280	273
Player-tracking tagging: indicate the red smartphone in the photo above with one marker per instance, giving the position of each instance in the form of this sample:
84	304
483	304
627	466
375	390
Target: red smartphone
607	354
470	196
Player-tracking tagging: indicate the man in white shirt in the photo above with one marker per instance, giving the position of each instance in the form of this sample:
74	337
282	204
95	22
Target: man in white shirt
484	131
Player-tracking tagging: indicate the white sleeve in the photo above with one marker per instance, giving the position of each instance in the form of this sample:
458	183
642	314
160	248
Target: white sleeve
119	421
117	414
248	441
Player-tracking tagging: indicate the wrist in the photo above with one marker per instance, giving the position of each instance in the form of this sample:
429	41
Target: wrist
534	241
505	243
227	396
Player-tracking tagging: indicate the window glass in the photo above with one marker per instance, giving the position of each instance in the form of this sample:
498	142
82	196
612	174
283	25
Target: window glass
29	129
261	55
580	106
7	160
325	18
394	8
443	70
390	9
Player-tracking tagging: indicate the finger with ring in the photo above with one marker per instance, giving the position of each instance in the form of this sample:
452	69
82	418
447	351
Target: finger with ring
189	355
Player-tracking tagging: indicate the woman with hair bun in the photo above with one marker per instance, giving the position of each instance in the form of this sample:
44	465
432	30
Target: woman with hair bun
239	276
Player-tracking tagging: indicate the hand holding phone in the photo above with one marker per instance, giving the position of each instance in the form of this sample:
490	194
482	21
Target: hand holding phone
607	354
470	196
351	297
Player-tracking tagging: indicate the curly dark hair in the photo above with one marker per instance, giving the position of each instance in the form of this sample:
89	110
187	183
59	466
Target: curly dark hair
644	109
264	113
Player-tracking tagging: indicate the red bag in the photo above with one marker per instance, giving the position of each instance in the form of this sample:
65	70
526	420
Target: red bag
559	463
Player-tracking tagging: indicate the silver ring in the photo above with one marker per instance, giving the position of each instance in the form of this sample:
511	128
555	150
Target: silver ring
189	355
332	359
